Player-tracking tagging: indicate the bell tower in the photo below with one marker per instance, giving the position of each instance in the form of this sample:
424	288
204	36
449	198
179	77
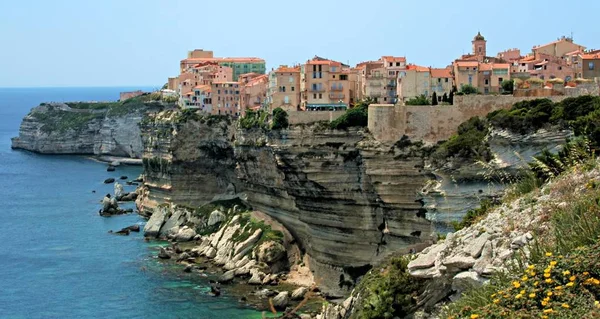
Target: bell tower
479	47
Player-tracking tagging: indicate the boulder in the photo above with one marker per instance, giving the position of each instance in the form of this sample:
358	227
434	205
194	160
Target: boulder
109	180
215	289
256	278
123	177
155	222
185	234
134	228
124	232
476	246
110	168
299	293
227	277
188	268
270	252
115	163
465	281
266	293
119	192
211	252
428	257
163	254
281	300
459	262
216	217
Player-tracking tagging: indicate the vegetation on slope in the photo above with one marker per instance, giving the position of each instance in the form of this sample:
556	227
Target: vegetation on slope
560	276
469	143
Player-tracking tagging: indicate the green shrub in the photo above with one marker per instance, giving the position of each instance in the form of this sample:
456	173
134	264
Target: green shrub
469	143
419	100
474	215
358	116
388	291
254	119
523	117
280	119
468	89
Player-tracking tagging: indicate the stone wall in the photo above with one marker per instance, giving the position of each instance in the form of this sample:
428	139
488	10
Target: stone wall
307	117
388	123
128	95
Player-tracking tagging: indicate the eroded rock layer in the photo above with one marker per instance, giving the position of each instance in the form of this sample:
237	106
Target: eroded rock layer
348	200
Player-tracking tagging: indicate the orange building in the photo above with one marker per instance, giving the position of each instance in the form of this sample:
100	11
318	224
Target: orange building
327	86
225	98
253	91
284	88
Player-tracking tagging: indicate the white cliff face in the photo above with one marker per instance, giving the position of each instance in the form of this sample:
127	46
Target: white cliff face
61	129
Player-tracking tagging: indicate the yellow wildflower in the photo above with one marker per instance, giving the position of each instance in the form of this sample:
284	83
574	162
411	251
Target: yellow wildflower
546	275
544	303
570	284
596	282
530	267
597	304
572	278
518	296
536	283
549	294
522	292
496	301
516	284
548	281
474	316
566	306
547	299
553	263
585	273
524	278
532	295
544	317
566	273
548	310
548	254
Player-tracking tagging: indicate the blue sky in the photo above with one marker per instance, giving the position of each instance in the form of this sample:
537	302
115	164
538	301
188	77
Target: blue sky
140	42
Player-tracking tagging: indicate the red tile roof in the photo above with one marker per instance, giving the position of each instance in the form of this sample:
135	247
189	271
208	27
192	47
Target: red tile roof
394	58
440	73
467	63
324	62
285	69
217	60
590	56
418	68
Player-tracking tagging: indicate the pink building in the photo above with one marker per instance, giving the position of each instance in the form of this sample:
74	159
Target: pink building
253	91
226	98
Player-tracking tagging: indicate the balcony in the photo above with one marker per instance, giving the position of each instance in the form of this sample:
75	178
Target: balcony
317	90
336	96
375	76
391	85
337	89
376	84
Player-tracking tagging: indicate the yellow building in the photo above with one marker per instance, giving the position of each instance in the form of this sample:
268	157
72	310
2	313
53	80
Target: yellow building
284	88
327	85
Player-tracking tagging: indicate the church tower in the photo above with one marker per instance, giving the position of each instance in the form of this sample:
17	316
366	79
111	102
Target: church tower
479	47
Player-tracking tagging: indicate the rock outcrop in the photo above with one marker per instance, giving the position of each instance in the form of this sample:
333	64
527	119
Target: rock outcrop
85	128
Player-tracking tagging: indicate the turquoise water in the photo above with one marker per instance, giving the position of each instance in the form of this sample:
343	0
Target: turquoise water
57	259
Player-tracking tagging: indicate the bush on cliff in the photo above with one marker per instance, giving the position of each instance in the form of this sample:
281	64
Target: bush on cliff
419	100
388	291
280	119
358	116
469	143
254	119
468	89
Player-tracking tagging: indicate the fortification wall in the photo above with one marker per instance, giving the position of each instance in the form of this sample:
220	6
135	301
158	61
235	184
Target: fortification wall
388	123
307	117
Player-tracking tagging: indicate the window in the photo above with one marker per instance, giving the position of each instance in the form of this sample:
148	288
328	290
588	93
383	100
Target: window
314	75
391	64
439	80
320	95
218	91
334	76
397	63
320	68
315	96
480	48
560	67
286	99
486	90
333	69
384	99
314	68
314	86
500	80
343	77
292	89
446	80
591	66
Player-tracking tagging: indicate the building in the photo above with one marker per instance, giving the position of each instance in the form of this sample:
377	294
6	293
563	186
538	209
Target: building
545	67
199	98
378	80
253	93
491	76
284	88
173	83
238	65
590	65
128	95
327	85
208	72
225	98
419	80
558	48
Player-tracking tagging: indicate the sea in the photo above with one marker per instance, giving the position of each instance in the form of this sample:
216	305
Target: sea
57	257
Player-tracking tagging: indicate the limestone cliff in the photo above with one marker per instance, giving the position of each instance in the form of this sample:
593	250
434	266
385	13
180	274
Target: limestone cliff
348	200
85	128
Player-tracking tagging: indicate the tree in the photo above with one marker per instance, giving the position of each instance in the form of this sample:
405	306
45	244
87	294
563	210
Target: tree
434	100
507	86
468	89
280	119
445	98
451	98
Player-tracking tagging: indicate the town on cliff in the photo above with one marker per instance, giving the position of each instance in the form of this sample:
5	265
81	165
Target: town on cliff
384	190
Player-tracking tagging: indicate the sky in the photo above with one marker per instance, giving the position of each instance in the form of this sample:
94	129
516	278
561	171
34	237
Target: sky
55	43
